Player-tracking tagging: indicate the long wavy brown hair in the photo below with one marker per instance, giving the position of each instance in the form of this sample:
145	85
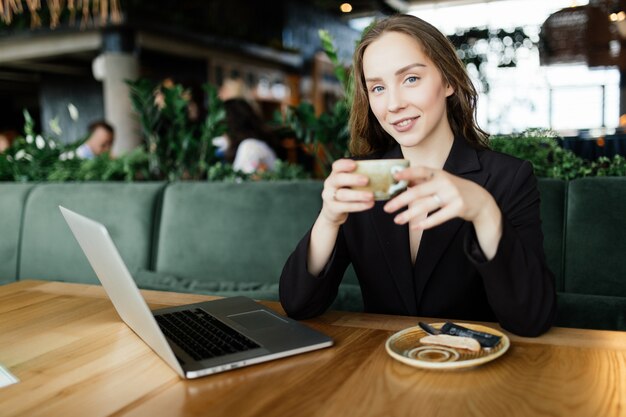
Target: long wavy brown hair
366	135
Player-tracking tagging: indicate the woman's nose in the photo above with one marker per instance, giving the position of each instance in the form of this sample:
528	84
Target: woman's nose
395	100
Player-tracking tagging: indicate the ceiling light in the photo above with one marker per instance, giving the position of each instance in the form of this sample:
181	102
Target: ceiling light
345	7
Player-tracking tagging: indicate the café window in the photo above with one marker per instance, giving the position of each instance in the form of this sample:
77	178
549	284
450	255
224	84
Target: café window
576	107
564	98
583	98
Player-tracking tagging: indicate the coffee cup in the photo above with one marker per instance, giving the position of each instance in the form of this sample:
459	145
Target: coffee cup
381	177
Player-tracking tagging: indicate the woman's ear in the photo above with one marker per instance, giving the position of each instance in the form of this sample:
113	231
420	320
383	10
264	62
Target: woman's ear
449	90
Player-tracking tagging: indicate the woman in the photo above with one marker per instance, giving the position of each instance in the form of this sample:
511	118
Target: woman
246	143
464	241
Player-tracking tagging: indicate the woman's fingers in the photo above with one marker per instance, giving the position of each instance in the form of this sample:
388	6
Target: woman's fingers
354	207
434	197
338	195
344	165
401	200
344	179
423	190
437	218
342	176
347	194
418	209
417	175
336	211
337	186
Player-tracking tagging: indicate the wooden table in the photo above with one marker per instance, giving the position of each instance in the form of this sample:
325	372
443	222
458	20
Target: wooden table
74	356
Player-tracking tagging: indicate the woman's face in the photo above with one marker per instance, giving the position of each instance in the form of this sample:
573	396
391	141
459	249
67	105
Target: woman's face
406	91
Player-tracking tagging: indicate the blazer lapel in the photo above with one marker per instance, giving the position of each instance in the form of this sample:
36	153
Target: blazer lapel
394	241
463	161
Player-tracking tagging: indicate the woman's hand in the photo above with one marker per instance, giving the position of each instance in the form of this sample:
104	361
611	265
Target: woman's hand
446	196
338	201
338	198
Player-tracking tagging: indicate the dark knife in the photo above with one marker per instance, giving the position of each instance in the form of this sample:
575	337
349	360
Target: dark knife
428	328
486	340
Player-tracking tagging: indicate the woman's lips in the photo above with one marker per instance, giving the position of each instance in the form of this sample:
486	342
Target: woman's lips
405	124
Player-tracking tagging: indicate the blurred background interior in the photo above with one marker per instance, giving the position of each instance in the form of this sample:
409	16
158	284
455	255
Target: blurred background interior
550	64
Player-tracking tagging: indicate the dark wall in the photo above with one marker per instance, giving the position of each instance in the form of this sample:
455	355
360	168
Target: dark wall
59	91
253	21
15	97
302	23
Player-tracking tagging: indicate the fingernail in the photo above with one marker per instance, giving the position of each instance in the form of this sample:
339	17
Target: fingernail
399	219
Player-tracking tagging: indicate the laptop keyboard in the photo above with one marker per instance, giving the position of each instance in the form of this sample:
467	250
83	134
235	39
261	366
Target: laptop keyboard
201	335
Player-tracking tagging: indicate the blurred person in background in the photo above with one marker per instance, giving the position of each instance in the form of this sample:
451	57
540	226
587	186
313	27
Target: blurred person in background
232	88
237	88
247	143
100	140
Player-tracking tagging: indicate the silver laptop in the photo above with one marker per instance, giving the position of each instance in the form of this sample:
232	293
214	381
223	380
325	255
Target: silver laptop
194	339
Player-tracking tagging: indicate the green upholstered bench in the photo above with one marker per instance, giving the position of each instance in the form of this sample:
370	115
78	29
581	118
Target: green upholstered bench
553	194
12	202
49	251
234	238
594	256
230	238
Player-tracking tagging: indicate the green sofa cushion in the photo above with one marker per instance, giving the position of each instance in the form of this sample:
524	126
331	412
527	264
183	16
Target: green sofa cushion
552	193
591	311
594	237
348	298
48	248
240	232
12	200
234	232
167	282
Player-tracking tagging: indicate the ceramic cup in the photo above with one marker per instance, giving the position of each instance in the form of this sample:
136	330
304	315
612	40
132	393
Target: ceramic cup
381	177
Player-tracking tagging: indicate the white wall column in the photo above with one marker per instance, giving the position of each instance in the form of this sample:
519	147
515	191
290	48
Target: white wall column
113	69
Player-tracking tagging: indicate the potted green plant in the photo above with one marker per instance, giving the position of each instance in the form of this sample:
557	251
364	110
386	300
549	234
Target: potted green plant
325	136
178	145
541	147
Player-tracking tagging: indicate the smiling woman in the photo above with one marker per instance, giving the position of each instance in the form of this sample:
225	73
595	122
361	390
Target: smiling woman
396	77
464	241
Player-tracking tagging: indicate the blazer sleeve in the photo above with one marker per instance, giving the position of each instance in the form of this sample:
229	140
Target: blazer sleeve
520	288
303	295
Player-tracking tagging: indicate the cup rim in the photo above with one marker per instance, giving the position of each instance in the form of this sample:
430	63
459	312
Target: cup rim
393	160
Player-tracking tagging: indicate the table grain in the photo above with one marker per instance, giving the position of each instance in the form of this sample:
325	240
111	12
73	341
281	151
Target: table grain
75	357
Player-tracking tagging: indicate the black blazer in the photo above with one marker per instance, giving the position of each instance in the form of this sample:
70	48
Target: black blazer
451	277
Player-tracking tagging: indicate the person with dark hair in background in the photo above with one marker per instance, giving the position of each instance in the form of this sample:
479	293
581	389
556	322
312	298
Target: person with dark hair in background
247	143
100	140
464	241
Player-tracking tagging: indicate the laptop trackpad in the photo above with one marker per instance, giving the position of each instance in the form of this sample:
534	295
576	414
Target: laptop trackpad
258	319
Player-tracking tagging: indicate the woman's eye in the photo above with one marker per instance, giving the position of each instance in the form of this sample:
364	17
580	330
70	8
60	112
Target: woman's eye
412	79
377	89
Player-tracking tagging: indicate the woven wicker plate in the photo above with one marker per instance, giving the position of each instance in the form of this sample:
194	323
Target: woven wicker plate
406	347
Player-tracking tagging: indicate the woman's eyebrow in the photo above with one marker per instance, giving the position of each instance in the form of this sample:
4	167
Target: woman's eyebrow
408	67
398	72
